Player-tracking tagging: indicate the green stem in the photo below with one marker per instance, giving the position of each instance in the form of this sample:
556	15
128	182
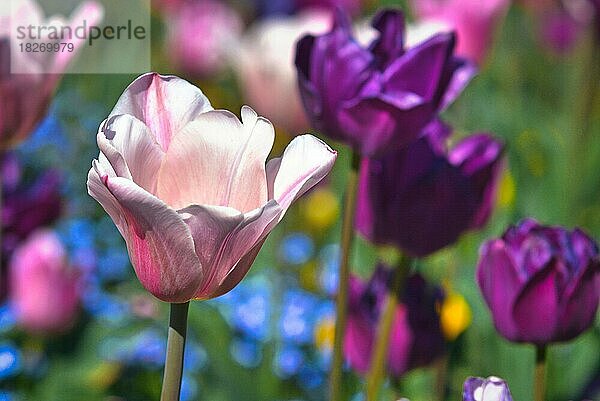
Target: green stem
335	379
175	348
384	328
540	373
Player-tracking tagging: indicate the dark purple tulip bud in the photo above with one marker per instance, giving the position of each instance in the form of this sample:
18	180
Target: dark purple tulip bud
490	389
26	207
422	197
540	282
380	97
416	338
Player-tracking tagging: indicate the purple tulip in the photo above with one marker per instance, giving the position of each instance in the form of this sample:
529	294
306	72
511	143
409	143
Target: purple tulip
416	338
379	97
490	389
540	282
421	198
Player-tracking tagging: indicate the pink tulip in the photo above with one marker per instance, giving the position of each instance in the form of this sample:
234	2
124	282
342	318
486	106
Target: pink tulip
25	96
188	189
474	21
43	289
265	66
199	34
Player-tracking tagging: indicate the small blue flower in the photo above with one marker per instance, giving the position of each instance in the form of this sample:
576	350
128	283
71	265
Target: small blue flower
246	352
195	357
296	248
329	261
8	318
288	361
106	307
10	360
247	308
77	233
149	348
189	388
297	316
310	377
6	396
113	264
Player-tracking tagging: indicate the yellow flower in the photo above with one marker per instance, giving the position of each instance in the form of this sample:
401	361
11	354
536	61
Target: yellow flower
324	333
322	209
455	316
506	190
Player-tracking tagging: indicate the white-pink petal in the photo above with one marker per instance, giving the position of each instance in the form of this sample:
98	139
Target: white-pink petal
164	103
124	139
305	162
216	160
160	244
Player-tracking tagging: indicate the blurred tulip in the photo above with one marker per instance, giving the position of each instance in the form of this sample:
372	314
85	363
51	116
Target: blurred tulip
187	186
378	98
560	31
421	198
43	289
490	389
25	96
416	338
25	208
352	7
265	66
199	34
541	283
473	20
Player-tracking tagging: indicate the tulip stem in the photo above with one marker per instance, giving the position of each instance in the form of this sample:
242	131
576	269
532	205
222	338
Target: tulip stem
540	373
175	348
335	380
384	328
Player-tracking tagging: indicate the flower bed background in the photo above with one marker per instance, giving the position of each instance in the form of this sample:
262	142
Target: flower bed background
270	338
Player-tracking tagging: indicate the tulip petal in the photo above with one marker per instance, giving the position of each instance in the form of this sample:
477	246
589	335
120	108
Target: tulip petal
98	191
390	43
160	244
401	339
500	285
536	308
305	162
421	68
581	300
231	236
164	103
233	155
131	150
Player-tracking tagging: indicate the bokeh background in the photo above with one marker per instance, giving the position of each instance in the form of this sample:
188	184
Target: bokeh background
270	338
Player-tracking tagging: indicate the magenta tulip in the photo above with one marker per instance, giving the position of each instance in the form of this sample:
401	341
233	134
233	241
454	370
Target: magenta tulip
540	282
26	95
43	288
415	339
188	189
